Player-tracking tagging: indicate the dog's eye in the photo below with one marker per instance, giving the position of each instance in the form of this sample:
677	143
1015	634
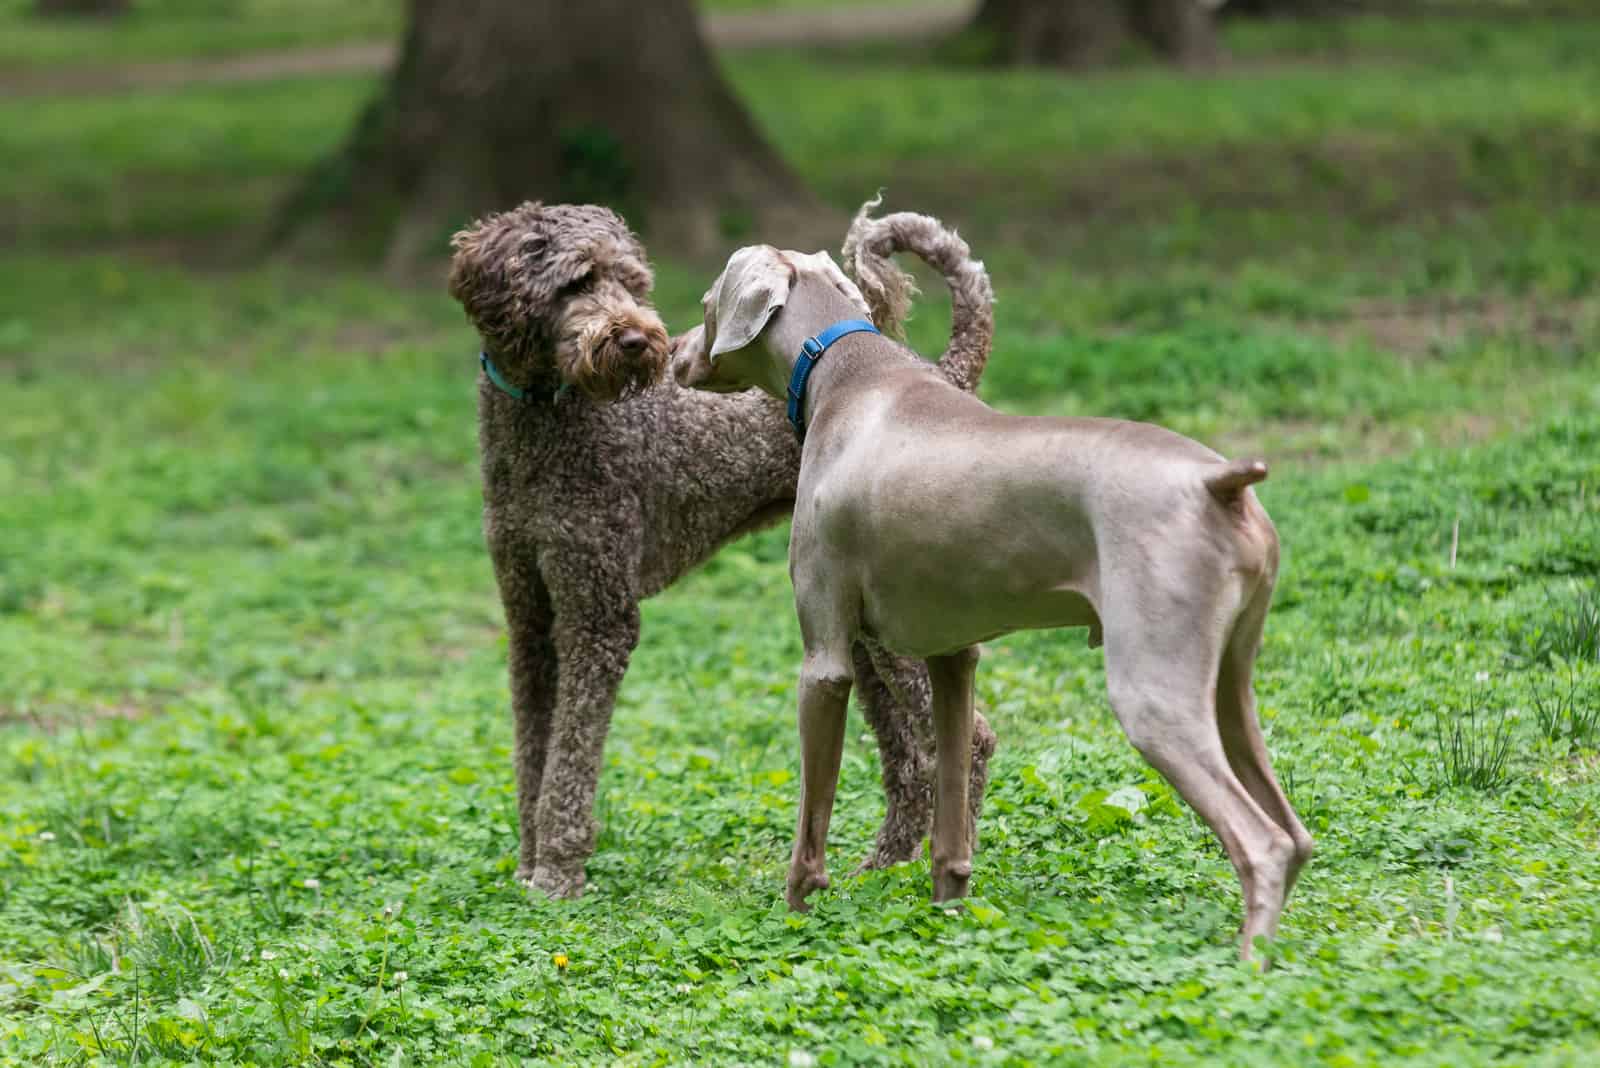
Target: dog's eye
575	286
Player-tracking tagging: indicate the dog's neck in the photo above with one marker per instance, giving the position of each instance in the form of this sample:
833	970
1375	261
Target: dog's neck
814	305
534	377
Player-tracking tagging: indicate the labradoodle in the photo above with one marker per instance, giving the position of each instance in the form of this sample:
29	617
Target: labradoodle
604	482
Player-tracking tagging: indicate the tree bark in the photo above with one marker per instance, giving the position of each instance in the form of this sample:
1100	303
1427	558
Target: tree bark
1284	8
496	101
1052	33
82	7
1077	34
1183	31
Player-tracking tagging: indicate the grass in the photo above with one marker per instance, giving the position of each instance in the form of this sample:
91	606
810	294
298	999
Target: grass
158	30
255	790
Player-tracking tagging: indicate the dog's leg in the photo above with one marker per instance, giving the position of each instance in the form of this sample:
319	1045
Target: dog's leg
1241	732
983	743
897	700
952	676
533	693
897	703
596	629
824	701
1161	671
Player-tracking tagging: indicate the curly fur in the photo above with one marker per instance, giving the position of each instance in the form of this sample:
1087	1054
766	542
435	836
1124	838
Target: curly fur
527	278
592	503
889	291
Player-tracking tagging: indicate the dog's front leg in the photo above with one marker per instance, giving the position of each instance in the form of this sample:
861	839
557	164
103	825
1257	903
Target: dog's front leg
533	698
898	701
595	631
824	700
952	677
533	675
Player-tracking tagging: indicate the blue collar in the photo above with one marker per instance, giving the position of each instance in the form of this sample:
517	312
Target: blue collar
515	392
811	351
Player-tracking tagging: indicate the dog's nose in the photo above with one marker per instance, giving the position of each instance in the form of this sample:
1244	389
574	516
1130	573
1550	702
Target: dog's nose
632	342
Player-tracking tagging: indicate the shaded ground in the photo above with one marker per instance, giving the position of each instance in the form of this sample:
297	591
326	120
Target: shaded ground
726	29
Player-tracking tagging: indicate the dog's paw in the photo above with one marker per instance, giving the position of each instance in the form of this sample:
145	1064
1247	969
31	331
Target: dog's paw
802	884
554	882
950	881
888	855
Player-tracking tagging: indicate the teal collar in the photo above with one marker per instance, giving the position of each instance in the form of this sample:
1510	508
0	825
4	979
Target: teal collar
514	392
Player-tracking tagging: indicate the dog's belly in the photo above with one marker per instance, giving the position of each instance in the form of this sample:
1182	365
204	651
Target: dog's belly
910	626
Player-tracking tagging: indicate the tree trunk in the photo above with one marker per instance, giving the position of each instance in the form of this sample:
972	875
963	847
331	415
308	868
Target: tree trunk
1089	33
1181	30
1283	8
1052	33
82	7
496	101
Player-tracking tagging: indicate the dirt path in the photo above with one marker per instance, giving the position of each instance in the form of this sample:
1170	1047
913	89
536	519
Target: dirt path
732	30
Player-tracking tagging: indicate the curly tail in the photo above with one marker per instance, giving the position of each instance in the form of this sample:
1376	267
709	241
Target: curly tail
867	251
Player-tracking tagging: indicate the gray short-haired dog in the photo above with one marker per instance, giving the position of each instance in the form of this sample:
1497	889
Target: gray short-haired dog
603	485
930	522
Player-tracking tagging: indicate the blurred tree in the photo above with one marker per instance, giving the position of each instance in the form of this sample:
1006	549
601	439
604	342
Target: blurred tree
1283	7
493	102
82	7
1086	33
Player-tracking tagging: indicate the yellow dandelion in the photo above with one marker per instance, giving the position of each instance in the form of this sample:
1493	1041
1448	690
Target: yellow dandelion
561	960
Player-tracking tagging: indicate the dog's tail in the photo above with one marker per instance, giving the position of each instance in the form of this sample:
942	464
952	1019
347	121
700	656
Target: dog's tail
867	251
1230	479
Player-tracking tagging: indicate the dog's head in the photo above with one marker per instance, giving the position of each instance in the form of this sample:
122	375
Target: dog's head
560	295
722	354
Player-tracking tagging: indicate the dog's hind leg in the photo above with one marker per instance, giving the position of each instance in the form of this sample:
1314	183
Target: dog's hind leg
1161	671
897	701
1241	731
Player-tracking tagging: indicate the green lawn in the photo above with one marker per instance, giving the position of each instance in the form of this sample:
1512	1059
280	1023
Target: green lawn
255	792
157	30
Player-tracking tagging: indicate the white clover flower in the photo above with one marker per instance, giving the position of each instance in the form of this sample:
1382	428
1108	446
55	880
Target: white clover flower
684	988
1482	676
313	884
47	836
799	1058
267	954
283	973
400	977
983	1042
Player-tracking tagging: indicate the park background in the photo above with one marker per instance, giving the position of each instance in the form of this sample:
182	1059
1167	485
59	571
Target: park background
256	802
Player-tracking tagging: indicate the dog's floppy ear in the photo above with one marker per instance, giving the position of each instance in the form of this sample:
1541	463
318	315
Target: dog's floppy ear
750	290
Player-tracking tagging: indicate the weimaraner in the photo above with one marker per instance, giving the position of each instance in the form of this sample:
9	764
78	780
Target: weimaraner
930	522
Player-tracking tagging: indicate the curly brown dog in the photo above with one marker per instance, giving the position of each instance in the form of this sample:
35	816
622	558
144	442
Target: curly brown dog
604	482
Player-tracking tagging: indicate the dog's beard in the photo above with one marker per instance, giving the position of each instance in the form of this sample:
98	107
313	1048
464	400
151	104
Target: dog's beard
591	359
